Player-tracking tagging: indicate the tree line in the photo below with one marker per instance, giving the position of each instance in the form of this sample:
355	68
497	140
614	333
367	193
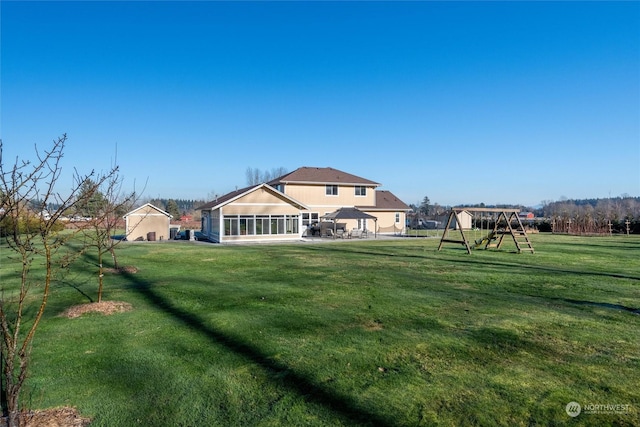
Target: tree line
587	216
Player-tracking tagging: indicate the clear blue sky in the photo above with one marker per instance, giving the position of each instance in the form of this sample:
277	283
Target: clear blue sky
462	102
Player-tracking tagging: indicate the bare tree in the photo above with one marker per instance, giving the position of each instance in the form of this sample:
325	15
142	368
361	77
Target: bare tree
99	229
39	253
256	176
253	176
277	173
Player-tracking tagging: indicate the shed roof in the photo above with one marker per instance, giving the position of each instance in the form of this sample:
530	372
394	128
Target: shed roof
147	205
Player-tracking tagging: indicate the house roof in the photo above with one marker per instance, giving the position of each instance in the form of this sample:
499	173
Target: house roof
222	200
230	197
314	175
387	201
133	212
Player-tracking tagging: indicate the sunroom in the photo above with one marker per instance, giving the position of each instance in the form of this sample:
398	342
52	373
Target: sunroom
258	213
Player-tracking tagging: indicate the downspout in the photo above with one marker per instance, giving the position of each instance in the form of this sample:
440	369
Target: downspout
220	226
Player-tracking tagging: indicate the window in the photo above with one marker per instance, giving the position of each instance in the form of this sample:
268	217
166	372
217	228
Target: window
361	190
262	224
248	225
331	190
310	217
397	217
292	224
231	226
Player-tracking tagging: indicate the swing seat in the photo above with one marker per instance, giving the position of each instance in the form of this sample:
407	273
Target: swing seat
486	239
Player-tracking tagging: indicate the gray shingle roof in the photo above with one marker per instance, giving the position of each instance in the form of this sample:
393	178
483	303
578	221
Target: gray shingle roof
314	175
386	200
224	198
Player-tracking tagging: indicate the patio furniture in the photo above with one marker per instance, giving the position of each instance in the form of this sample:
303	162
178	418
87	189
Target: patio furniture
356	233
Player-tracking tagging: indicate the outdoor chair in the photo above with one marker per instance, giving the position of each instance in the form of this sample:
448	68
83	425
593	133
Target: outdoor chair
356	233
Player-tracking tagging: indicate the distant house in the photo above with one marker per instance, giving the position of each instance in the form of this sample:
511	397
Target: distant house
526	215
147	222
285	207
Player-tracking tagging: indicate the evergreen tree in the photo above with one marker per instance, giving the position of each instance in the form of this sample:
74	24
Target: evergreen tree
91	202
173	209
424	206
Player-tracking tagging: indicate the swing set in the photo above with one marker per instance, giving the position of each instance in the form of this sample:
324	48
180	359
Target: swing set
506	222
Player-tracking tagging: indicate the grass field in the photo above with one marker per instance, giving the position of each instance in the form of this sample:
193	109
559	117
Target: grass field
387	332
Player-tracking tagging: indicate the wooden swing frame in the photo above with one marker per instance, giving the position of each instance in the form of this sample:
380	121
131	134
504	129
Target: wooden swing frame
518	233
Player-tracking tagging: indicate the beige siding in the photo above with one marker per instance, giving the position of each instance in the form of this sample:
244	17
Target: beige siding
316	198
260	202
387	222
265	209
147	219
259	196
140	225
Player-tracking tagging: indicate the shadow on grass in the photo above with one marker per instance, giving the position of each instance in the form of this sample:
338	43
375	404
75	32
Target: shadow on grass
342	406
77	288
554	270
503	342
604	305
605	242
471	261
611	306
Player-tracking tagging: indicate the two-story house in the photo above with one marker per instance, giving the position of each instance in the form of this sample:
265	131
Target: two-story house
284	207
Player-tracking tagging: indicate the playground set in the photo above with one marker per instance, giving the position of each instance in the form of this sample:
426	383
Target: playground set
506	222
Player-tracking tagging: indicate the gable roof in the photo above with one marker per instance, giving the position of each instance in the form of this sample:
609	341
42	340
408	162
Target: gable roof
222	200
133	212
387	201
314	175
234	195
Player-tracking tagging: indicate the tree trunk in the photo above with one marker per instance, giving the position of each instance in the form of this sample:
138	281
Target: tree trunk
12	409
11	394
100	276
115	259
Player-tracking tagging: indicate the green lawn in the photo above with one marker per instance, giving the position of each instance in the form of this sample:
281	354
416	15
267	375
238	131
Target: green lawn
387	332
